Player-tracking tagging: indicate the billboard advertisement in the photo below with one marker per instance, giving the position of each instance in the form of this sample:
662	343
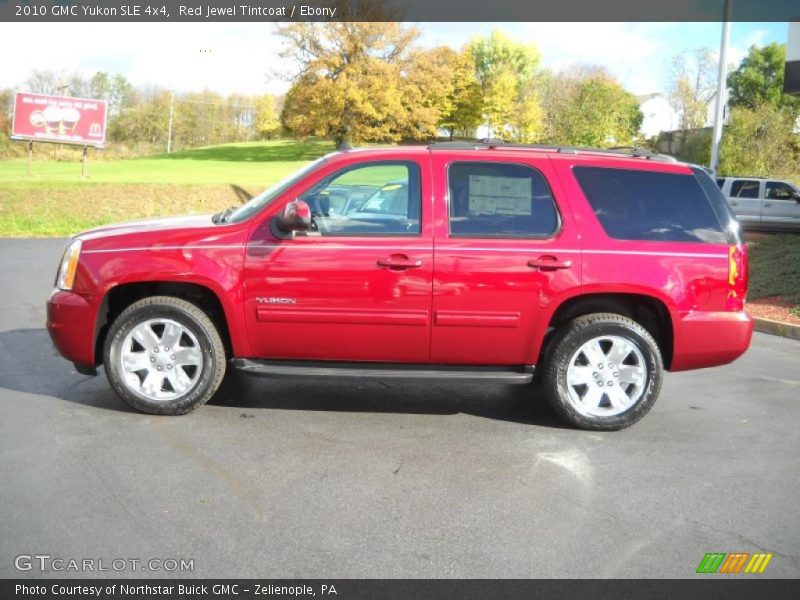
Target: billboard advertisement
42	118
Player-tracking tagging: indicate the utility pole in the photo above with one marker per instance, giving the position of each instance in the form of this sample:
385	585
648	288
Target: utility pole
169	128
722	88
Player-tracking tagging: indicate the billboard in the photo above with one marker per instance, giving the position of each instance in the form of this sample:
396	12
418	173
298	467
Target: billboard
42	118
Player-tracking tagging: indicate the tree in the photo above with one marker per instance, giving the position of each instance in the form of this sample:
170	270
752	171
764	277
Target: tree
506	72
759	80
266	121
693	85
464	106
586	106
350	85
759	143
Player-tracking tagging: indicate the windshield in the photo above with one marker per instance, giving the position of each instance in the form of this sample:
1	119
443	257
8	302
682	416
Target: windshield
250	208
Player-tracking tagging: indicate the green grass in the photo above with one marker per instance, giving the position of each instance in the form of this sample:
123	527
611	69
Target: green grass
57	202
775	268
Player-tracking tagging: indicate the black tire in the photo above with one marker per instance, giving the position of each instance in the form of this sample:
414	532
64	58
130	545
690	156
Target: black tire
192	318
566	342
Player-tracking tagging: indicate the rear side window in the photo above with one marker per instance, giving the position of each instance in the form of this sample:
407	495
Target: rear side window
489	199
720	181
777	190
649	205
742	188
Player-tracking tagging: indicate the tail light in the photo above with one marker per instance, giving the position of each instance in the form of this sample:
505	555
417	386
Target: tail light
737	277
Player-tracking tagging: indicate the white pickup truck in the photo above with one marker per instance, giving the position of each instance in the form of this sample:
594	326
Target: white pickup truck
763	203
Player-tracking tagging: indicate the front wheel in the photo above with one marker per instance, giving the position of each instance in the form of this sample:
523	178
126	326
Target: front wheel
602	372
164	356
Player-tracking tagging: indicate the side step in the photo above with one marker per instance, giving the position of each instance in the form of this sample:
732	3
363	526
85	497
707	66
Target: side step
284	368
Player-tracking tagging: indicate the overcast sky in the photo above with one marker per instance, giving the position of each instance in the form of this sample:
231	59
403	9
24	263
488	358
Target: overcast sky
240	57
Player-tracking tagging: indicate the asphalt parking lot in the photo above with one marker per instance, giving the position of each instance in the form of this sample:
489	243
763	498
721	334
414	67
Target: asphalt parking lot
323	479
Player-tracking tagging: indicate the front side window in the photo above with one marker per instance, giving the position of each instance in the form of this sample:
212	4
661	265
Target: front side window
649	205
742	188
489	199
777	190
381	198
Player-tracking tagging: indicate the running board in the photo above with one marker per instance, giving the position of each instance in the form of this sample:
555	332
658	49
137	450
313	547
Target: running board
279	368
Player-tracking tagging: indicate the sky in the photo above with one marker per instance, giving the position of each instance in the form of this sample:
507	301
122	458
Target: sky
243	57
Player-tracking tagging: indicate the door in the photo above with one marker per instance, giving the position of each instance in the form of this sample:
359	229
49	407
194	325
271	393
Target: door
504	251
745	200
357	287
781	205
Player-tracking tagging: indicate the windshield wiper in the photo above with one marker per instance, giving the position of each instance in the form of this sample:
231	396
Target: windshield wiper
223	216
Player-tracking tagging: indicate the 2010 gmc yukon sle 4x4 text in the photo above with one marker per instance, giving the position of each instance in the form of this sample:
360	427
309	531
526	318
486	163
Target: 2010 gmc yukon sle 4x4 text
601	269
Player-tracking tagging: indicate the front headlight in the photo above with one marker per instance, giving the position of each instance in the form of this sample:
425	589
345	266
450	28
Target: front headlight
69	265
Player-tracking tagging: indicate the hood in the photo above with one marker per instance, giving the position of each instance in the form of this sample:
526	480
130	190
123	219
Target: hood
147	225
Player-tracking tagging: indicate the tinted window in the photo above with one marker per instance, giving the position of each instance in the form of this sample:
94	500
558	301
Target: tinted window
648	205
371	199
720	181
725	215
742	188
777	190
499	200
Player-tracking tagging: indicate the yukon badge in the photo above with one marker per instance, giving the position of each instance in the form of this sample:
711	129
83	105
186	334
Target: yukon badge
262	300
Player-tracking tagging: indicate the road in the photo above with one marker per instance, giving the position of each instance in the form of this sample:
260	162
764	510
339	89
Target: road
337	479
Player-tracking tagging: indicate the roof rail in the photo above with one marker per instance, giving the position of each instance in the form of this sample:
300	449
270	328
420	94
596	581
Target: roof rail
492	143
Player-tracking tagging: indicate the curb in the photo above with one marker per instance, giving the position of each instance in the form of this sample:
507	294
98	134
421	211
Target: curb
777	328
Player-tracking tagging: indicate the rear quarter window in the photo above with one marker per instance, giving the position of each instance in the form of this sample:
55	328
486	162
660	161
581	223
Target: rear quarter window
649	205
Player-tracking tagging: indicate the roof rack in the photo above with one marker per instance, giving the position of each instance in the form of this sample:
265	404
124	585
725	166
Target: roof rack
493	143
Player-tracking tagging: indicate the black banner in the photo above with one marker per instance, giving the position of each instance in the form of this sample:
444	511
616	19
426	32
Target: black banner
712	588
392	10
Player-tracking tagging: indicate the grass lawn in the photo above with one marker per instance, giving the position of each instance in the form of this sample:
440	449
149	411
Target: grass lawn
775	270
56	201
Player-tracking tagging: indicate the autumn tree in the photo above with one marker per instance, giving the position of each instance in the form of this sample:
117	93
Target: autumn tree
464	109
266	122
506	72
353	83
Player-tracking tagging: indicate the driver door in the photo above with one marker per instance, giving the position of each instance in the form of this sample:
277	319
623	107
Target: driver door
358	286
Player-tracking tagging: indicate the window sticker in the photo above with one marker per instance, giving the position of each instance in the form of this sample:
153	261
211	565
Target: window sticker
500	195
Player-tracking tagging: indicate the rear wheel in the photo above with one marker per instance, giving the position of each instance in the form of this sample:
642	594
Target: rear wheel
602	372
164	356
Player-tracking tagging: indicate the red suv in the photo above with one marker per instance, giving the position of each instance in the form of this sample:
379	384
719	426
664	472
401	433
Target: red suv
459	260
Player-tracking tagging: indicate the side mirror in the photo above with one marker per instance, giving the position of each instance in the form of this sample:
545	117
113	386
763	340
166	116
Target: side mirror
296	216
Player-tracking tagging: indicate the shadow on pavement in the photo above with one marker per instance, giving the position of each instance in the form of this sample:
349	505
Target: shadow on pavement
30	364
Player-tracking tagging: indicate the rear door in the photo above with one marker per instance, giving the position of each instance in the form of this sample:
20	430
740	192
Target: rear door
781	206
745	199
505	252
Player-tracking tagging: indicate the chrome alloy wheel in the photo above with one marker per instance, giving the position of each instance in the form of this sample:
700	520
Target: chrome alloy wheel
161	359
606	376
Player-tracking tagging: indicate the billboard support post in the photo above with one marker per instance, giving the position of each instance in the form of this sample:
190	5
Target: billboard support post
84	160
30	159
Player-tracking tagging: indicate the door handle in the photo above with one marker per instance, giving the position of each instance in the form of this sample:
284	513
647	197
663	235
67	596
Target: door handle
549	262
399	261
767	204
734	203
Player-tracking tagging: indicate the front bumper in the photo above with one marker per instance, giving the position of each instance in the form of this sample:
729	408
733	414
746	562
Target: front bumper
708	339
71	324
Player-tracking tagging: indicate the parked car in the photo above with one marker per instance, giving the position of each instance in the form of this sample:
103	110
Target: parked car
598	270
763	203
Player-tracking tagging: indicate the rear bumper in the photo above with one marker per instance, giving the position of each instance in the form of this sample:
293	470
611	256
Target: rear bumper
70	322
708	339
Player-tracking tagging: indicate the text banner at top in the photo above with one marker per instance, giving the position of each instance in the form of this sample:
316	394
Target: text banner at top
394	10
